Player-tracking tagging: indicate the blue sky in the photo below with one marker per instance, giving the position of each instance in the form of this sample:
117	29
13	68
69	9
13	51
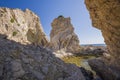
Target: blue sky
47	10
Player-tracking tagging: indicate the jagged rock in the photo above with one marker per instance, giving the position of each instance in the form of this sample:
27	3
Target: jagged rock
107	19
20	59
105	71
28	62
62	36
93	50
105	15
23	27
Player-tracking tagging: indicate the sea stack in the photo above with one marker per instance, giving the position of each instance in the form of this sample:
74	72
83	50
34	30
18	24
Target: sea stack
62	35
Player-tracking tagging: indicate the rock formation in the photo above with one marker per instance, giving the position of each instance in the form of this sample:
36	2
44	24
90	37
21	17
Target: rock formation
20	60
23	27
28	62
93	50
105	71
62	36
105	15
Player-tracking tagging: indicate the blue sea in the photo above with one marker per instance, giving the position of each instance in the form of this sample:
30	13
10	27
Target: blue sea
93	44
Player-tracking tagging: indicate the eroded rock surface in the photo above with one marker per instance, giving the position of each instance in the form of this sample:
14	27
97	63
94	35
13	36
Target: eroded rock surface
28	62
93	50
105	71
22	26
62	36
105	15
20	59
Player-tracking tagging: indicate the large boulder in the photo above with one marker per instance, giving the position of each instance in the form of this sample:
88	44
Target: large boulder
22	26
62	36
105	71
28	62
105	15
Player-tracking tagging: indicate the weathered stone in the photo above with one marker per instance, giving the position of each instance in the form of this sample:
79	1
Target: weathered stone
105	15
88	74
105	71
93	50
28	62
62	36
23	27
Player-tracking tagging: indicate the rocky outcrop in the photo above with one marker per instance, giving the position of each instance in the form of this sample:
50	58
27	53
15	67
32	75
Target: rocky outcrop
62	36
20	59
105	15
23	27
93	50
105	71
28	62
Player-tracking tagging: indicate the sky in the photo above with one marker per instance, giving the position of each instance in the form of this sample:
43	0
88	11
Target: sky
48	10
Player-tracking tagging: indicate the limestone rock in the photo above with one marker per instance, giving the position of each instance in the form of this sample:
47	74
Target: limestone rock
62	36
105	71
105	15
28	62
22	26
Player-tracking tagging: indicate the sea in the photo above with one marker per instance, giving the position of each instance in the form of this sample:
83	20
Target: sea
93	44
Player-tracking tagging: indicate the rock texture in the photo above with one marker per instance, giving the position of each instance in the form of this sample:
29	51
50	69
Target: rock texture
28	62
62	35
20	60
105	15
105	71
23	27
93	50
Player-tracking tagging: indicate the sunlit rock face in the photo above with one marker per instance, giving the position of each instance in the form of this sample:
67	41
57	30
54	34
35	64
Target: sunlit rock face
22	26
105	15
62	35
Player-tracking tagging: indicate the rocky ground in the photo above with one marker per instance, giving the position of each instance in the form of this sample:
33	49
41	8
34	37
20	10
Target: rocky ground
22	42
96	51
29	62
93	50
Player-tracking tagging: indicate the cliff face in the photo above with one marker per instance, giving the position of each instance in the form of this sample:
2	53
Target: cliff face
62	35
105	15
23	27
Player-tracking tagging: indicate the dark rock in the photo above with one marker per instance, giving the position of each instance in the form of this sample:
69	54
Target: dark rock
29	62
88	74
93	50
105	71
